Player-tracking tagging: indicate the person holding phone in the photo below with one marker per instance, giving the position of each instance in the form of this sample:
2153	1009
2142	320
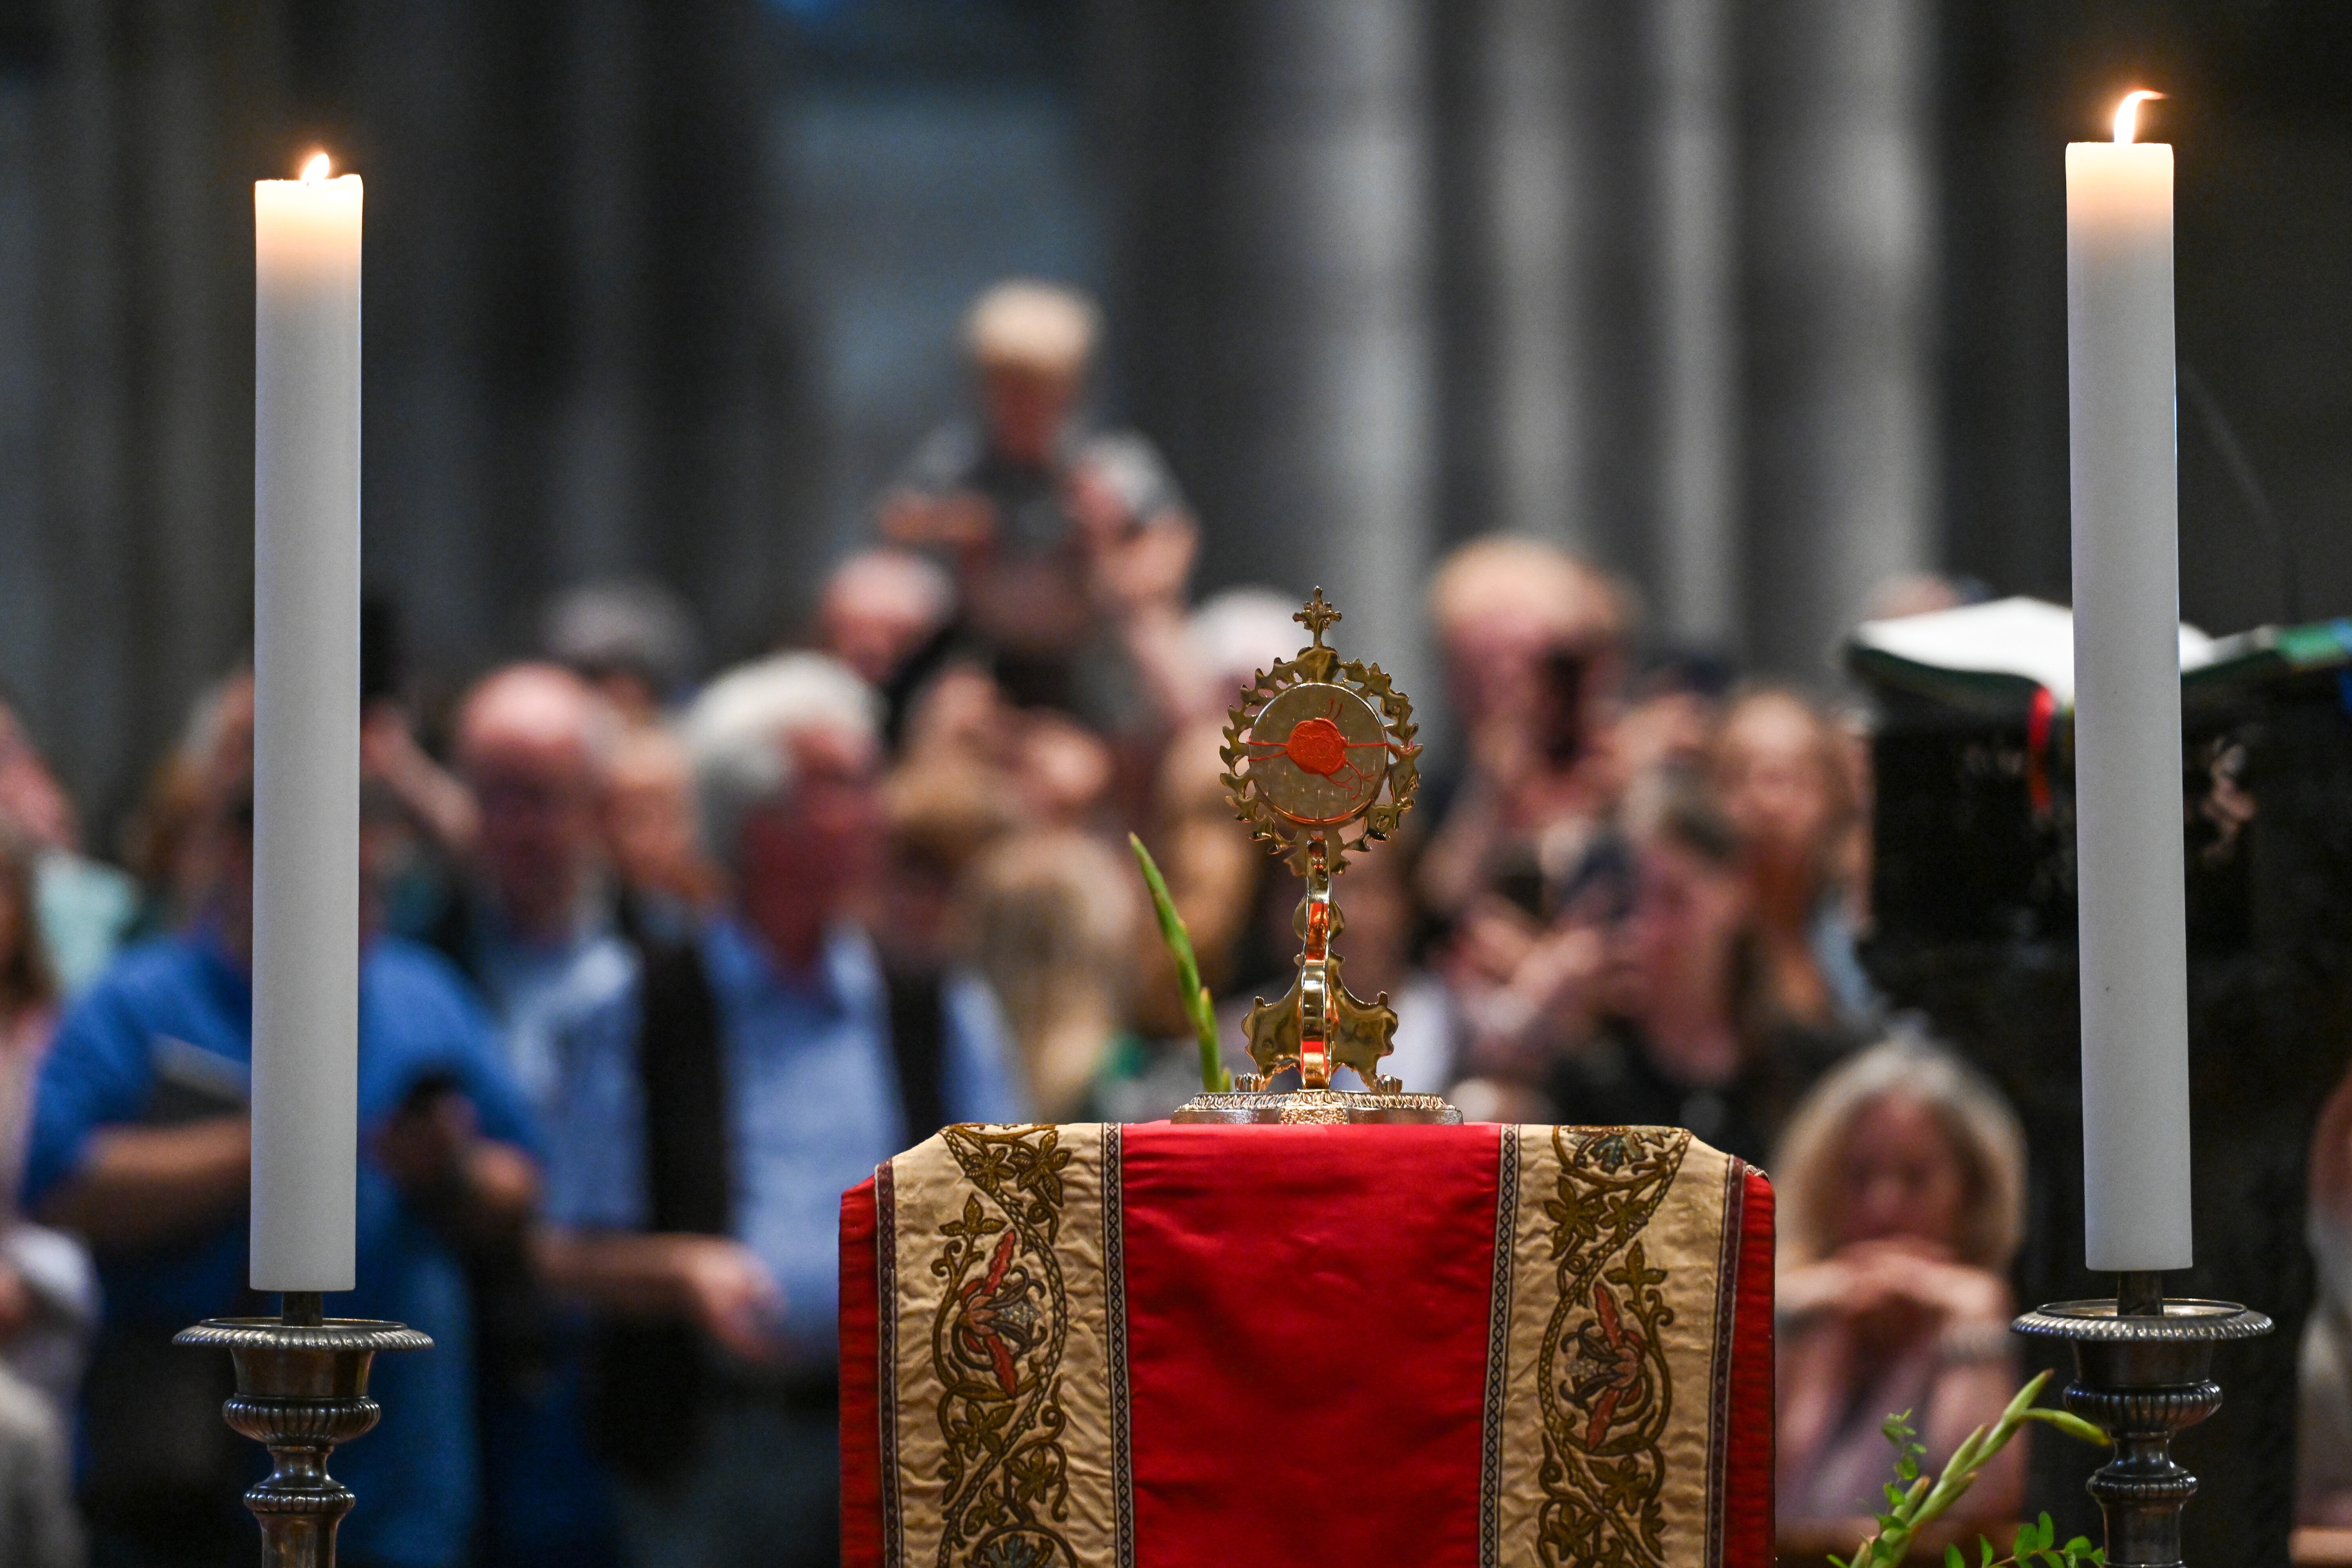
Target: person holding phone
1065	539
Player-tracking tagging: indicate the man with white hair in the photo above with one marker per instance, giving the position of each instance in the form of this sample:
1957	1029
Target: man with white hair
708	1120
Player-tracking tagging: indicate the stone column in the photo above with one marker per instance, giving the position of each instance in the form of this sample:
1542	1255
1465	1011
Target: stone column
149	123
76	688
1840	239
1548	270
28	609
599	445
1326	328
1524	398
434	523
1696	561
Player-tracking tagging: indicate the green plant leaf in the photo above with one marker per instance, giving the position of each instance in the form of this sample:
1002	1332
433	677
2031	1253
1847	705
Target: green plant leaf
2074	1426
1952	1558
1926	1499
1197	1004
2023	1400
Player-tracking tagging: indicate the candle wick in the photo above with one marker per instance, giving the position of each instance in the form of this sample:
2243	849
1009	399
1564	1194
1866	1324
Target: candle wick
2139	1295
2128	115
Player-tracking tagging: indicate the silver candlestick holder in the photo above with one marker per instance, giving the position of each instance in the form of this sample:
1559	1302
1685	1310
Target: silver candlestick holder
302	1389
2143	1369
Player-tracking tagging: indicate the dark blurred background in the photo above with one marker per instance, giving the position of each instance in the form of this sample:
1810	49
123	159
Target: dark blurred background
1758	302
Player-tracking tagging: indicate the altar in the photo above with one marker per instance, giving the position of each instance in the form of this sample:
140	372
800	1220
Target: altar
1175	1345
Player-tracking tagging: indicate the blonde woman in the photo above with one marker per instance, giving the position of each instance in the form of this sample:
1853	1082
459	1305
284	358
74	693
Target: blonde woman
1901	1186
1055	918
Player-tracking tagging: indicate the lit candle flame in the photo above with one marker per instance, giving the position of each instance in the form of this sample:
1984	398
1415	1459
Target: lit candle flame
317	169
2127	114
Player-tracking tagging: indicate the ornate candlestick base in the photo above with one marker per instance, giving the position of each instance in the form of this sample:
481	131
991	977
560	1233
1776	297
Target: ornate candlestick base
301	1388
1316	1105
2142	1374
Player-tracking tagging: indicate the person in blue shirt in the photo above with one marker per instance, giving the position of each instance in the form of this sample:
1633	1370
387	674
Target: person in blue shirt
537	922
140	1142
708	1120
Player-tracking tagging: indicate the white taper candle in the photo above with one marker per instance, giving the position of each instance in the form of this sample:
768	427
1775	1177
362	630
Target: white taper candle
2128	836
306	600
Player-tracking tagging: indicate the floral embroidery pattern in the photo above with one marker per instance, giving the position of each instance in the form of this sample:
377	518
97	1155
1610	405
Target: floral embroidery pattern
1604	1384
996	1346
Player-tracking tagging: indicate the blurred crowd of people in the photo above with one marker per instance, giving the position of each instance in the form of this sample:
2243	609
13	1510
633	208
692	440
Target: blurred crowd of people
659	966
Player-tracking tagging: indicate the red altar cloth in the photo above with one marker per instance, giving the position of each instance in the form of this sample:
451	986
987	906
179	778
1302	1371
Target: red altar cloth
1227	1347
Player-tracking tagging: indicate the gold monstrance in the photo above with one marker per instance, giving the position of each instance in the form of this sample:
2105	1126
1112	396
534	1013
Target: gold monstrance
1320	760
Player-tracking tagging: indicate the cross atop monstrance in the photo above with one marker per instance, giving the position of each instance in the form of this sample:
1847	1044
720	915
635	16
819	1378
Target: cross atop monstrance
1316	616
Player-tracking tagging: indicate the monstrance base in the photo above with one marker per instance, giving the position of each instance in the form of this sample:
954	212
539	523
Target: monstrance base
1309	1107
